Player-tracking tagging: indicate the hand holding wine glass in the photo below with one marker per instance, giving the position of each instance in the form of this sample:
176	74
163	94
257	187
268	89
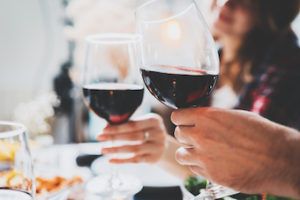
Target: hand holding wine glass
147	132
254	155
179	60
17	181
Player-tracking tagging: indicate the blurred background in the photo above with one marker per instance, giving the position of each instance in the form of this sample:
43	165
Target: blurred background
41	53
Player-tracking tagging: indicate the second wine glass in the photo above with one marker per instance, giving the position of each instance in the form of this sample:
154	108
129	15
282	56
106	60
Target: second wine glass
113	90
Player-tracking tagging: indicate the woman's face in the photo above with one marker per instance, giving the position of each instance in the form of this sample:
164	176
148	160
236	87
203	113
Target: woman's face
235	18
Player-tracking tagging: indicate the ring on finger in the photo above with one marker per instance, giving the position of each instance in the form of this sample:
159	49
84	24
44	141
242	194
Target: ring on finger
146	136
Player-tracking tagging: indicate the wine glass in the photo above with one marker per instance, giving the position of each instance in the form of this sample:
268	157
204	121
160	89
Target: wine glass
179	60
113	90
17	181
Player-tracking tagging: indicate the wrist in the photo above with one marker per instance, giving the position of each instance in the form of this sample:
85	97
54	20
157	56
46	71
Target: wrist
295	162
289	160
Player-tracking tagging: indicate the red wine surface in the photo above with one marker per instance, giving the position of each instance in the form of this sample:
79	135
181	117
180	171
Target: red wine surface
179	87
115	102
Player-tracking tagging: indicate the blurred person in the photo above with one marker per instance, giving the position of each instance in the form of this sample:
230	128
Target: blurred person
260	57
260	63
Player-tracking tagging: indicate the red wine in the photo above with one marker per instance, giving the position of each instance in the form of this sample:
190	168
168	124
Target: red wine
179	87
114	102
12	194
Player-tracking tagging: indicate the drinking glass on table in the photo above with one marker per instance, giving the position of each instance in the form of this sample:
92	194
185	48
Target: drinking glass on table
17	180
113	90
179	60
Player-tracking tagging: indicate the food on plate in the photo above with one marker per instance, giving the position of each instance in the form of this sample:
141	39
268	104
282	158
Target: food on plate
49	185
15	180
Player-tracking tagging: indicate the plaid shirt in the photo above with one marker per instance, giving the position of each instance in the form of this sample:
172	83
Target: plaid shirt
275	91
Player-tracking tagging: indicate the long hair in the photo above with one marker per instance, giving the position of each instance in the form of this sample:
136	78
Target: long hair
273	20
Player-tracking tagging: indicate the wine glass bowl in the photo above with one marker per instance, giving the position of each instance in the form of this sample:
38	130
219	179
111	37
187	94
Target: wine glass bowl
111	87
16	169
179	61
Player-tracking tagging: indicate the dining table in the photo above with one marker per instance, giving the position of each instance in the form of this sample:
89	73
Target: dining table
62	160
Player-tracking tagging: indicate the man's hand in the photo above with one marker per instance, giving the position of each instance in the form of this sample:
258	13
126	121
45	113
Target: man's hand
239	149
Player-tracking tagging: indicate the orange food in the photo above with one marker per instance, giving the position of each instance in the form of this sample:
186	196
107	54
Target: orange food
14	179
46	185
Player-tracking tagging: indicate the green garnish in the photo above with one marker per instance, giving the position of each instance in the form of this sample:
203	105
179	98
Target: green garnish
195	184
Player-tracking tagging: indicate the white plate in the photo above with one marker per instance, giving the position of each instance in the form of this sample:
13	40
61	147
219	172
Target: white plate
149	175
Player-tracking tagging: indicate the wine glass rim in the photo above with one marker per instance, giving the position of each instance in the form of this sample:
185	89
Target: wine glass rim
163	19
19	129
113	38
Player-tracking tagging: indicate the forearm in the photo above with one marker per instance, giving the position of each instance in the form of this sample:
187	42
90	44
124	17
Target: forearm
169	163
288	178
294	162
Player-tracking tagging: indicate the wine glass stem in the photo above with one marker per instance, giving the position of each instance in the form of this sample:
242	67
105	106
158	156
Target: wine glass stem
115	181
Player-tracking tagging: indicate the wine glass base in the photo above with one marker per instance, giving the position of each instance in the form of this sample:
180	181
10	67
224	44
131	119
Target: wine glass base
104	187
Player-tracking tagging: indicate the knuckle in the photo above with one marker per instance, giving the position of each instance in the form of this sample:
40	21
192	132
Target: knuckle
154	116
131	137
113	150
141	135
156	120
135	148
111	137
161	139
115	129
153	121
197	137
132	125
151	159
135	159
207	136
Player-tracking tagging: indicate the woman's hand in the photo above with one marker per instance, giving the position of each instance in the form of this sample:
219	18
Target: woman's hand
148	132
239	149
